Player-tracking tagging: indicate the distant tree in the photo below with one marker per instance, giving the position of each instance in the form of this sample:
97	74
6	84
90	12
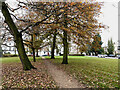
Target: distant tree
101	50
111	47
88	51
96	44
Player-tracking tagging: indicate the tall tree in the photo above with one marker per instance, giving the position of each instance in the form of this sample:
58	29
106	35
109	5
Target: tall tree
111	47
33	48
65	42
17	38
96	44
54	35
53	45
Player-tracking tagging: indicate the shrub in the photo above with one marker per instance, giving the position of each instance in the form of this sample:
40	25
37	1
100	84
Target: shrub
76	55
9	55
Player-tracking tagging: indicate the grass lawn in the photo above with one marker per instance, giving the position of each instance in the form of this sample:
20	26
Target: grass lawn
15	59
91	71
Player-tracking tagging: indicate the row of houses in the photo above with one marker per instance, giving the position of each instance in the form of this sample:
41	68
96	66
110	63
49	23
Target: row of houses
46	50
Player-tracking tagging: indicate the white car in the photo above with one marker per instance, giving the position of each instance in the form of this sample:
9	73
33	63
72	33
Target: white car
102	56
118	56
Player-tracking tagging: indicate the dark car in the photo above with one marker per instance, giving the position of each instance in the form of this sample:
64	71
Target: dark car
46	55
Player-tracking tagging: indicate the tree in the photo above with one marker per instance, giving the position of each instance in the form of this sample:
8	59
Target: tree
53	45
111	47
96	44
88	51
17	38
54	37
76	20
101	50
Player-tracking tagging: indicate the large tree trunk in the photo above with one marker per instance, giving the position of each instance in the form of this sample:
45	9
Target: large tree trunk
53	46
22	54
65	44
17	38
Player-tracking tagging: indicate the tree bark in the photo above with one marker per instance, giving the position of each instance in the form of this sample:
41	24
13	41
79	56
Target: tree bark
53	46
37	53
65	44
33	49
17	38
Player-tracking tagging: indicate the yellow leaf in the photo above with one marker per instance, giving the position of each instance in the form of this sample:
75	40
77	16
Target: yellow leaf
55	5
62	10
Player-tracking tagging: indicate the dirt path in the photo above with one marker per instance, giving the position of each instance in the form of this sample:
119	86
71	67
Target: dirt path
61	78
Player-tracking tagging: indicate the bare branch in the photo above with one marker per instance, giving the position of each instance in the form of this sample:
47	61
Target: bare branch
18	18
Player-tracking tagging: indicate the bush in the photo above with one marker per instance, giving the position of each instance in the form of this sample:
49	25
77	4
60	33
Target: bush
29	55
60	54
76	55
117	53
9	55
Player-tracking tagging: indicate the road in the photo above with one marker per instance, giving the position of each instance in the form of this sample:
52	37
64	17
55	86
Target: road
105	57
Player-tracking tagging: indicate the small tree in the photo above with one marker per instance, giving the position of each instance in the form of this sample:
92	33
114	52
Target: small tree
101	50
111	47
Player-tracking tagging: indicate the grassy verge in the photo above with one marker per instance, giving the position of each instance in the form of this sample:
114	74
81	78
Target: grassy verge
91	71
15	59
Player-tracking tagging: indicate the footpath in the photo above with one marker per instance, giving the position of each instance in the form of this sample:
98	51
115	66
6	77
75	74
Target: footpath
61	78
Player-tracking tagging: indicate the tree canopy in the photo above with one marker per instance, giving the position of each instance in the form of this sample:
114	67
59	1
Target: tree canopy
72	21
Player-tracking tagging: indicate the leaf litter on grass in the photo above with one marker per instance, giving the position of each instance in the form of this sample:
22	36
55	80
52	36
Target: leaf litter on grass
13	76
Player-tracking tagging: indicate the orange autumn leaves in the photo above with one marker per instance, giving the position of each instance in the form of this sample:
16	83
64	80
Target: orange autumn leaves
80	17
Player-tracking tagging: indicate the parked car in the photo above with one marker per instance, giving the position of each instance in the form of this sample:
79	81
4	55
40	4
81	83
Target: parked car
105	55
102	55
118	56
111	55
46	55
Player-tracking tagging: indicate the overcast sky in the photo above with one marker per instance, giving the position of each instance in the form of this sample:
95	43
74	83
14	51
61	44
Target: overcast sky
110	18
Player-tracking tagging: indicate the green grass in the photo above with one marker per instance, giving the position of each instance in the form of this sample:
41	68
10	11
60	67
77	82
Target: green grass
15	59
91	71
